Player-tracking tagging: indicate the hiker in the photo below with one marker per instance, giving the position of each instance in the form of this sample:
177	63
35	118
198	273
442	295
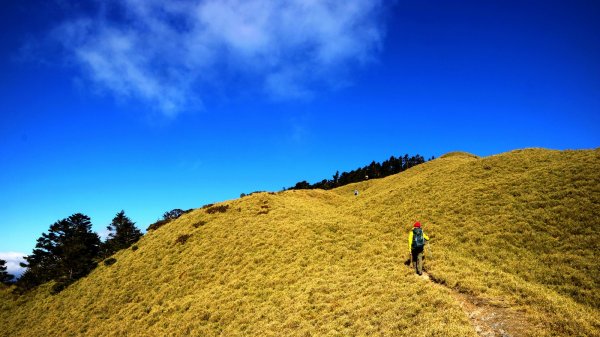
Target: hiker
416	244
355	192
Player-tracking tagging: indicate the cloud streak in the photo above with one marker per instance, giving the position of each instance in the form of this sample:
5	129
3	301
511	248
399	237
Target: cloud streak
170	55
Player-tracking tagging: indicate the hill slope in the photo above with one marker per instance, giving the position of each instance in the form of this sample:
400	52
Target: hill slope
516	233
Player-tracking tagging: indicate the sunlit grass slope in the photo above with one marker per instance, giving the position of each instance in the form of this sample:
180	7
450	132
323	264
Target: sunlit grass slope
517	230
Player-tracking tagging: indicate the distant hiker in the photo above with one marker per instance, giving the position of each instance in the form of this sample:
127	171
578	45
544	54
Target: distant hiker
355	192
416	244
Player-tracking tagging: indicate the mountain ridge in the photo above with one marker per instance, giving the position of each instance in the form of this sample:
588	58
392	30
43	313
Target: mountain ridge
316	262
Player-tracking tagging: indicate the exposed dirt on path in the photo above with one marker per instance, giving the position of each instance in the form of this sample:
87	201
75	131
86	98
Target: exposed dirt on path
489	320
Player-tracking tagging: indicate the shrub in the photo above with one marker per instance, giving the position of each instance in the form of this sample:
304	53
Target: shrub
167	217
158	224
199	224
58	287
173	214
183	238
215	209
110	261
134	248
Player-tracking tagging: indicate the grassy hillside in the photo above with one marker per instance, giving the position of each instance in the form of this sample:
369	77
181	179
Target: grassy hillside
516	231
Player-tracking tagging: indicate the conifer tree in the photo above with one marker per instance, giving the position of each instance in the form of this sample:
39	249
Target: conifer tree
336	178
5	277
64	254
123	234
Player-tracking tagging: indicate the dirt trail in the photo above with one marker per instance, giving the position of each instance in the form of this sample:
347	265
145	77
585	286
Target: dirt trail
488	320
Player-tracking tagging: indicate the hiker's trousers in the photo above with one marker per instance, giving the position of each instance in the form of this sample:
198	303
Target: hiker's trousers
417	257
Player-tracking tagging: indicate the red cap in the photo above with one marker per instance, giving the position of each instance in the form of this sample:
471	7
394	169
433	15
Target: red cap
417	224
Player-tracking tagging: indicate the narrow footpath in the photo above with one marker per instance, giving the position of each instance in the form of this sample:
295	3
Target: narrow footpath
488	320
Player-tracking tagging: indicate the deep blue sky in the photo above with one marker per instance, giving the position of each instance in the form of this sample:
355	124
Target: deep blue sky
146	107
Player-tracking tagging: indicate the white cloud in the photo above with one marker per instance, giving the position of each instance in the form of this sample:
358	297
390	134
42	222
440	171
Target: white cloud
12	262
103	234
168	54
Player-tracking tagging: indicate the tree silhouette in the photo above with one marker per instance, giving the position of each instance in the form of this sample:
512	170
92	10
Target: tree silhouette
5	277
123	233
336	178
64	254
302	185
372	171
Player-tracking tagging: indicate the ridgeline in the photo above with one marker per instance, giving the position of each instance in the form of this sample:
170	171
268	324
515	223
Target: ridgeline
514	235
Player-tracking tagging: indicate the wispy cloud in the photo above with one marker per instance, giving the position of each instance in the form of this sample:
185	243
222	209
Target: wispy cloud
170	54
12	262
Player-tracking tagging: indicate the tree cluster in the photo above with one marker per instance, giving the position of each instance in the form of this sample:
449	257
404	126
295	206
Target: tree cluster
374	170
70	250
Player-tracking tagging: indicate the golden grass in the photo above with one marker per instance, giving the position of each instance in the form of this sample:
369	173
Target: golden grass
517	230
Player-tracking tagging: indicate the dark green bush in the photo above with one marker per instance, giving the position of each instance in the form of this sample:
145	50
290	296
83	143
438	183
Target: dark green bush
158	224
110	261
58	287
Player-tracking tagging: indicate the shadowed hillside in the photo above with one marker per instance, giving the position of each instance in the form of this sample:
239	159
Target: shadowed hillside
515	233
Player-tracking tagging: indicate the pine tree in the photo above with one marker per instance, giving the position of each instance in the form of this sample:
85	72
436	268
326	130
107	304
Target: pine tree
336	178
5	277
64	254
123	234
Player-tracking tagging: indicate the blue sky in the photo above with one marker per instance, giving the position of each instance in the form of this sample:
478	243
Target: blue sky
143	106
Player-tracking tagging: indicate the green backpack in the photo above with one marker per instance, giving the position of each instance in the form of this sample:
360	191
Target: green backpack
418	239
